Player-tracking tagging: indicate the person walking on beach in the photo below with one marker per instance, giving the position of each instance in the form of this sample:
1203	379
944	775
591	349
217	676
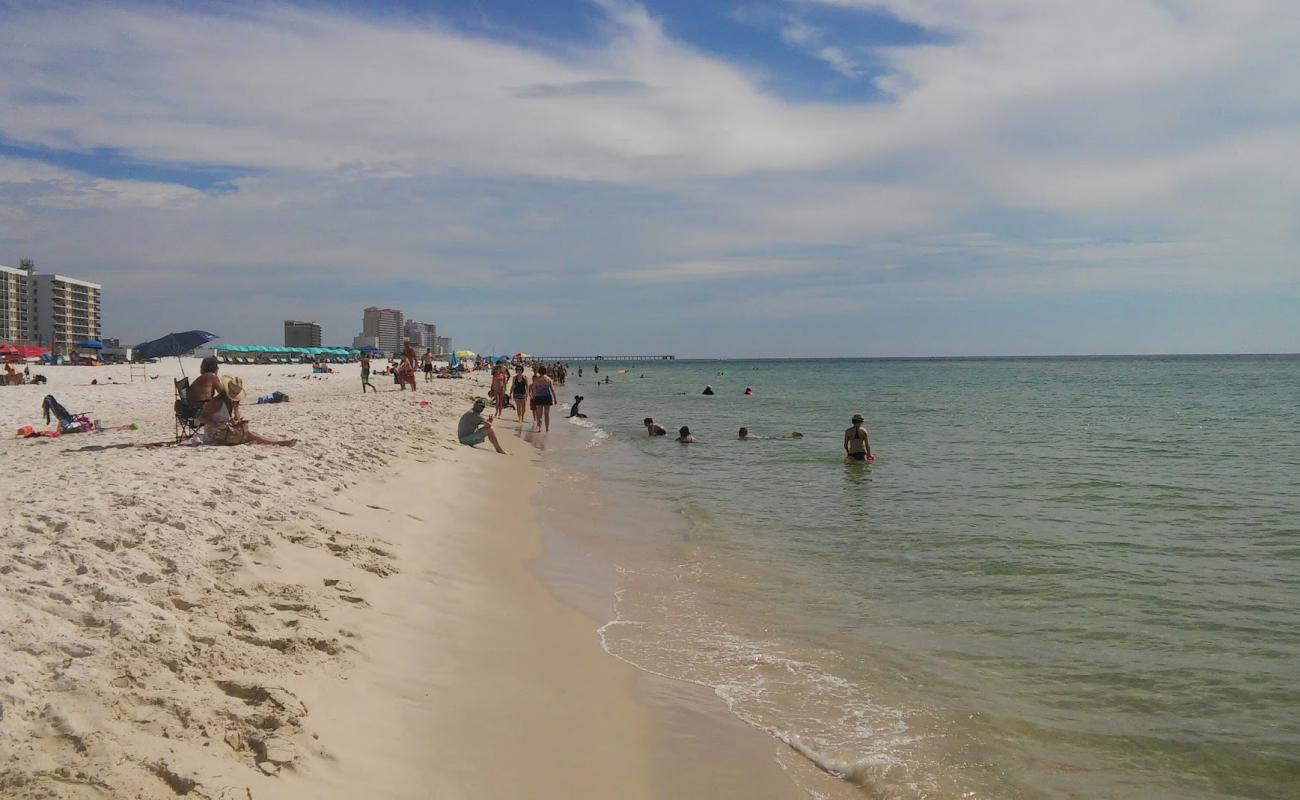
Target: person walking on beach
519	391
365	374
428	365
474	428
498	390
856	444
543	398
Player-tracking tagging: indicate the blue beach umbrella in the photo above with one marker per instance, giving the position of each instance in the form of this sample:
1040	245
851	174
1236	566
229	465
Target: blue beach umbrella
174	344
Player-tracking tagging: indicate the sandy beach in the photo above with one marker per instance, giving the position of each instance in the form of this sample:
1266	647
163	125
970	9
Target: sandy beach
352	615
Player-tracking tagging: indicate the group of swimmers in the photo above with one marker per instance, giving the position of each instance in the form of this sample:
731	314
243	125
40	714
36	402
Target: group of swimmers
857	443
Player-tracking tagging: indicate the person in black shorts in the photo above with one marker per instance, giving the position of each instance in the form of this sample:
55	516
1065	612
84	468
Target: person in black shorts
519	390
856	444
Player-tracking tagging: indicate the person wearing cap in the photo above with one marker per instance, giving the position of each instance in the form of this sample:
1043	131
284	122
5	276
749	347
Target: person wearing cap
474	427
856	444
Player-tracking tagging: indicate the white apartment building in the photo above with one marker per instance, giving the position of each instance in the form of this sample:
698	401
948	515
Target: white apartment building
52	310
15	297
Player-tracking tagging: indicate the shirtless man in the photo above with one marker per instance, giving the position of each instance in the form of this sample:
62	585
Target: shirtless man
207	384
856	444
654	428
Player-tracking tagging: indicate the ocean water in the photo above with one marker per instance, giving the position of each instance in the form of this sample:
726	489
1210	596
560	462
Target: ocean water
1071	577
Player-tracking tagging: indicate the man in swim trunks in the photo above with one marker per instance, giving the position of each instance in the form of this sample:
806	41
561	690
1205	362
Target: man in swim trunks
856	444
474	427
365	374
654	428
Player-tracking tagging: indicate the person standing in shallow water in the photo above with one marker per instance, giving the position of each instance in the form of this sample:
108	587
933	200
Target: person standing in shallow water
543	398
856	444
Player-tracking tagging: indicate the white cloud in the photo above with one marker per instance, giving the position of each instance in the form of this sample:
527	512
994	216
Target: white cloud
1045	146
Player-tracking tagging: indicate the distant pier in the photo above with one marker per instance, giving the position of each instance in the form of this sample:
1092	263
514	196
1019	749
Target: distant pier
602	358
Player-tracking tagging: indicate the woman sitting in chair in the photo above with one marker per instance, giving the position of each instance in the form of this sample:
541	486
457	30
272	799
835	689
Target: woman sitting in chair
222	424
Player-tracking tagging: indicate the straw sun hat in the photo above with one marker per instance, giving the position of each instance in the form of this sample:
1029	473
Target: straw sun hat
233	388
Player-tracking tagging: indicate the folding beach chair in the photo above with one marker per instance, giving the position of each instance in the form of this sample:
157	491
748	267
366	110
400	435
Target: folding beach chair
187	413
68	422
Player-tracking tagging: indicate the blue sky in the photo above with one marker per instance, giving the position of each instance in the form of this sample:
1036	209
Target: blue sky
782	177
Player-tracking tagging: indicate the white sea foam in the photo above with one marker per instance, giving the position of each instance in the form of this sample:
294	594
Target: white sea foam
598	434
825	718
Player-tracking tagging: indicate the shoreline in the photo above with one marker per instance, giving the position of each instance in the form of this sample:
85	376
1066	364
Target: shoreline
361	610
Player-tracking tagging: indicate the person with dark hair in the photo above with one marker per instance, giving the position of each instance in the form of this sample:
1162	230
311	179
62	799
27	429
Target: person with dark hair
543	398
684	436
365	374
473	427
573	409
745	434
519	391
856	444
653	428
207	384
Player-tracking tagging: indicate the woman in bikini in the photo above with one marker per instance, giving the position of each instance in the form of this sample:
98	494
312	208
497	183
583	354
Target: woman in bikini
543	398
498	390
856	444
519	391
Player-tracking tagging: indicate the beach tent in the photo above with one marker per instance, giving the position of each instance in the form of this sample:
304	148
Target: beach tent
90	344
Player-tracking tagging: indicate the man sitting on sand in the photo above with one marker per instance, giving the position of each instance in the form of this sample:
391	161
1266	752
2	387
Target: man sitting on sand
474	427
654	428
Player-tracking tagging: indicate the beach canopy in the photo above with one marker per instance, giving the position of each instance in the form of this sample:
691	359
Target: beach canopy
173	344
90	344
464	354
284	349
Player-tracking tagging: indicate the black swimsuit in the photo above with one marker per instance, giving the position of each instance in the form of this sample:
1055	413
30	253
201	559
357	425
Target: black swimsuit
519	389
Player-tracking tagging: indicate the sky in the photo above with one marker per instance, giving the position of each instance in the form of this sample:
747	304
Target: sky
747	178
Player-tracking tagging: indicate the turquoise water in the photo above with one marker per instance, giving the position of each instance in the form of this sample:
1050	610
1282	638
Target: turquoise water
1061	577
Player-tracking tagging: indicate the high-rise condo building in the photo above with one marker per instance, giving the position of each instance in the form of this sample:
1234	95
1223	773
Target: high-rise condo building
15	299
385	324
444	345
413	332
301	334
63	311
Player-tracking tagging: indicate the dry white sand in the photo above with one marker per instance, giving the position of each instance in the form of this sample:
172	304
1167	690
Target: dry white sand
141	648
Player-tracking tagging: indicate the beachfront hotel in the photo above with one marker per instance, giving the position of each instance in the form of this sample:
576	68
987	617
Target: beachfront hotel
301	334
385	326
52	310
